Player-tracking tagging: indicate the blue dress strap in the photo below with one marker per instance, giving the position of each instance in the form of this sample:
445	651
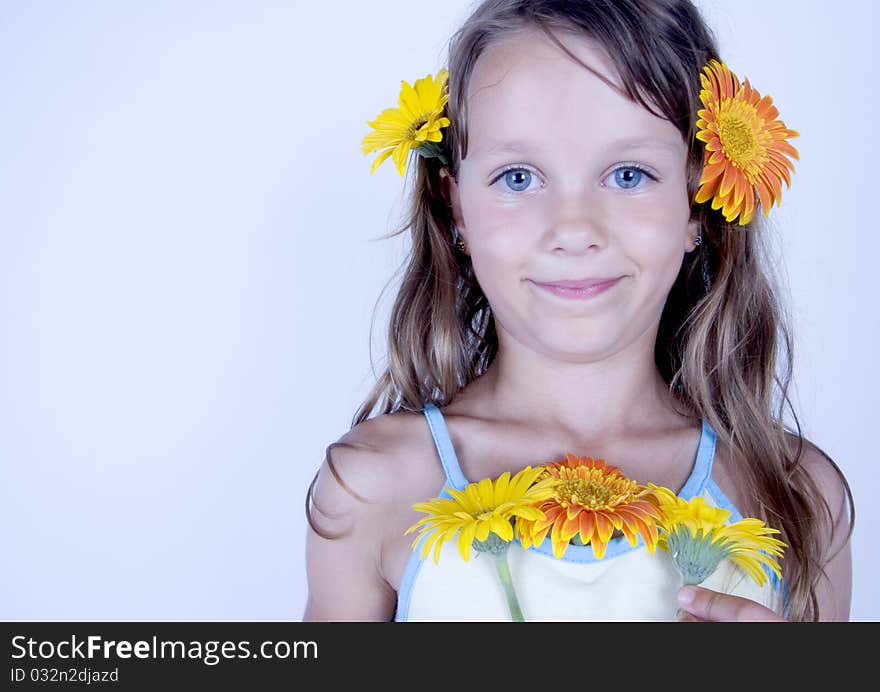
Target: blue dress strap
696	483
702	472
454	477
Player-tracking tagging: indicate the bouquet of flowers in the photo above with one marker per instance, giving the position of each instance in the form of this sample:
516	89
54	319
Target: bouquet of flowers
585	501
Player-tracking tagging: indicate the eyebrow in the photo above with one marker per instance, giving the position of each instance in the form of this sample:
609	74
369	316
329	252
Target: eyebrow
643	143
518	147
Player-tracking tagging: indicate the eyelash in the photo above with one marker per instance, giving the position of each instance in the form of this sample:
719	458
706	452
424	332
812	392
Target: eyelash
626	166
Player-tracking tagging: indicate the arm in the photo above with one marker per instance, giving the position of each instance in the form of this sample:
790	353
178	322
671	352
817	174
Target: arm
343	543
834	590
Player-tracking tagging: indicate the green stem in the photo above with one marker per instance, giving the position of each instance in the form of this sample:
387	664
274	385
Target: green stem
504	574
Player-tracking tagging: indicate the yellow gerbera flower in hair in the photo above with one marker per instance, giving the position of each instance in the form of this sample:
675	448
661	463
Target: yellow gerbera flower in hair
591	500
746	148
481	509
414	124
698	537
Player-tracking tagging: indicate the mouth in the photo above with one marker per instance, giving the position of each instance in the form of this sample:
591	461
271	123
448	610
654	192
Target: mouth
577	289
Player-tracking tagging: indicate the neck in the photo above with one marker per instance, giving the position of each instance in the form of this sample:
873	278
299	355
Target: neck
606	396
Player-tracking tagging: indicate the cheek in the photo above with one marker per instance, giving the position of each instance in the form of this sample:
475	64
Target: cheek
499	256
662	222
497	236
497	265
655	242
482	215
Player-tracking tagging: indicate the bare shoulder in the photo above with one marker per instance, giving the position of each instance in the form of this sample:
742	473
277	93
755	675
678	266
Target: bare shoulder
361	495
823	483
372	464
831	490
835	517
832	486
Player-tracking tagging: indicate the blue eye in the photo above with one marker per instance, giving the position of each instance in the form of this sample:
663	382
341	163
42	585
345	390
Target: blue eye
516	179
629	177
626	177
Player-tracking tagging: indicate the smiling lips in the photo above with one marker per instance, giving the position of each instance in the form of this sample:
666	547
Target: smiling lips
577	289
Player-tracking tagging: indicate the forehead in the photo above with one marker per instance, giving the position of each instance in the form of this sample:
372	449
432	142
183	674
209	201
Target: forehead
525	90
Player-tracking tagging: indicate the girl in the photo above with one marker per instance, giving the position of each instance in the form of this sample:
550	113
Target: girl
587	273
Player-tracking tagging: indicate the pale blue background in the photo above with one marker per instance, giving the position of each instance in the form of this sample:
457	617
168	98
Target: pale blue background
188	272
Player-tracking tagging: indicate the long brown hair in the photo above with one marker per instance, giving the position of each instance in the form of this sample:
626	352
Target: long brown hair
723	345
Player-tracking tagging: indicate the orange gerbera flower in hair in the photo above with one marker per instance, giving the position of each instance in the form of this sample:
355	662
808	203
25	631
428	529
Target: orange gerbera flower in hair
746	155
591	501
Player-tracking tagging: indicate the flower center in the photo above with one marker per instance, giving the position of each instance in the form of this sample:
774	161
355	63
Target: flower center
587	493
416	126
738	137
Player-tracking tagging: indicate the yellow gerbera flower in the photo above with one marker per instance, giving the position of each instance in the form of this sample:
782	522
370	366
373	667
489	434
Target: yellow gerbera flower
590	501
698	537
480	509
746	146
415	122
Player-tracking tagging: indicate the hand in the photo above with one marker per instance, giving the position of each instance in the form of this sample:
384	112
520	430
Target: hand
699	604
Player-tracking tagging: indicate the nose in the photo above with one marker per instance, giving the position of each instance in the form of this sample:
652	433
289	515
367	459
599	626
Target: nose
577	224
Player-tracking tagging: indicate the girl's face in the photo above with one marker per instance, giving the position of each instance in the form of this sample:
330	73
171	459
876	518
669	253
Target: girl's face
566	180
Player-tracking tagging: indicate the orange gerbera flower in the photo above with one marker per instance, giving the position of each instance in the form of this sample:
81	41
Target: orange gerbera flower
591	501
746	146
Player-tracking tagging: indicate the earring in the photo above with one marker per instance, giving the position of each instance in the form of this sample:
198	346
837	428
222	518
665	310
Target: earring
461	246
704	261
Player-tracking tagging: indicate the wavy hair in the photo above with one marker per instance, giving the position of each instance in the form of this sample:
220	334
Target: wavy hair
723	346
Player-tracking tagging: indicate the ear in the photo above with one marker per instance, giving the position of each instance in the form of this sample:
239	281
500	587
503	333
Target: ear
449	188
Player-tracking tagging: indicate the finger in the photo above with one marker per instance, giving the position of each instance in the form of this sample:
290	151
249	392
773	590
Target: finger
706	604
684	616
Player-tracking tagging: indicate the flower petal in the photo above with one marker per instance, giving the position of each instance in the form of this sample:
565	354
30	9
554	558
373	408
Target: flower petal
744	143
